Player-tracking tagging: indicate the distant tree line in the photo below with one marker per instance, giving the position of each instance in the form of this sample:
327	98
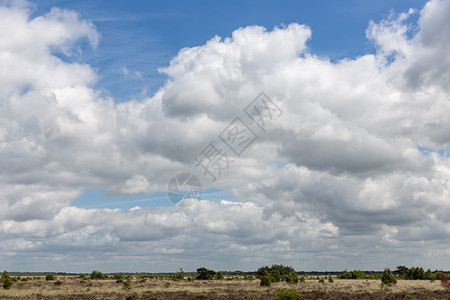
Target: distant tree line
416	273
402	272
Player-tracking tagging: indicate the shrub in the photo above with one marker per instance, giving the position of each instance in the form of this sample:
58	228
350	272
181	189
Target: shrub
292	278
444	280
219	275
265	280
355	274
321	280
50	277
127	283
290	295
330	279
205	274
388	278
275	275
7	282
276	269
118	277
97	275
179	275
58	282
302	278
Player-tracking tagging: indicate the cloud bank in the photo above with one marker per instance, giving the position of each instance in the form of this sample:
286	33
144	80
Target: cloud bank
354	174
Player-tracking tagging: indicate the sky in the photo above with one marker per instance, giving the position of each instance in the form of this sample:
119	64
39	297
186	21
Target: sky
315	136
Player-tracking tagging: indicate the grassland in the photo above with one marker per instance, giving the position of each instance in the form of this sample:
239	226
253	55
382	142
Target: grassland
71	287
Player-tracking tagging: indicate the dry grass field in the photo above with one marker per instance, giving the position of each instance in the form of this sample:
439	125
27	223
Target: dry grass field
150	288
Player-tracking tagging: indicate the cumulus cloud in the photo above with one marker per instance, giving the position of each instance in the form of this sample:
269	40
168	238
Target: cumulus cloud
342	172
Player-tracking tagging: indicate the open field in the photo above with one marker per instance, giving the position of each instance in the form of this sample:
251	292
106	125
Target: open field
151	288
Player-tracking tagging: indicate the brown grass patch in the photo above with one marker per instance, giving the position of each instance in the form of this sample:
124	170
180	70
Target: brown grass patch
74	288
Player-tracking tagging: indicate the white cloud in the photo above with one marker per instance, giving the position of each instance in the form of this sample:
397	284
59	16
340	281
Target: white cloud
338	175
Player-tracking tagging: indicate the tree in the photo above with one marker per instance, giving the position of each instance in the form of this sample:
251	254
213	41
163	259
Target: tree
444	280
127	283
275	275
219	275
283	270
401	271
429	275
50	277
388	278
179	275
292	278
265	280
7	282
118	277
97	275
205	274
355	274
262	270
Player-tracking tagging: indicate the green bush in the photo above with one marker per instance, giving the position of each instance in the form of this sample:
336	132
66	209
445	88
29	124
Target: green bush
290	295
97	275
275	275
205	274
388	278
355	274
275	270
118	277
7	282
127	283
321	280
219	275
330	279
291	278
302	278
178	275
265	280
50	277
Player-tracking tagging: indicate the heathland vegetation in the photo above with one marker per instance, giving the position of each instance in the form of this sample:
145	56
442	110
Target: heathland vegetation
268	282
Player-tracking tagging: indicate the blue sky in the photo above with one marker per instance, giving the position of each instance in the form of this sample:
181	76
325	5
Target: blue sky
143	36
103	102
